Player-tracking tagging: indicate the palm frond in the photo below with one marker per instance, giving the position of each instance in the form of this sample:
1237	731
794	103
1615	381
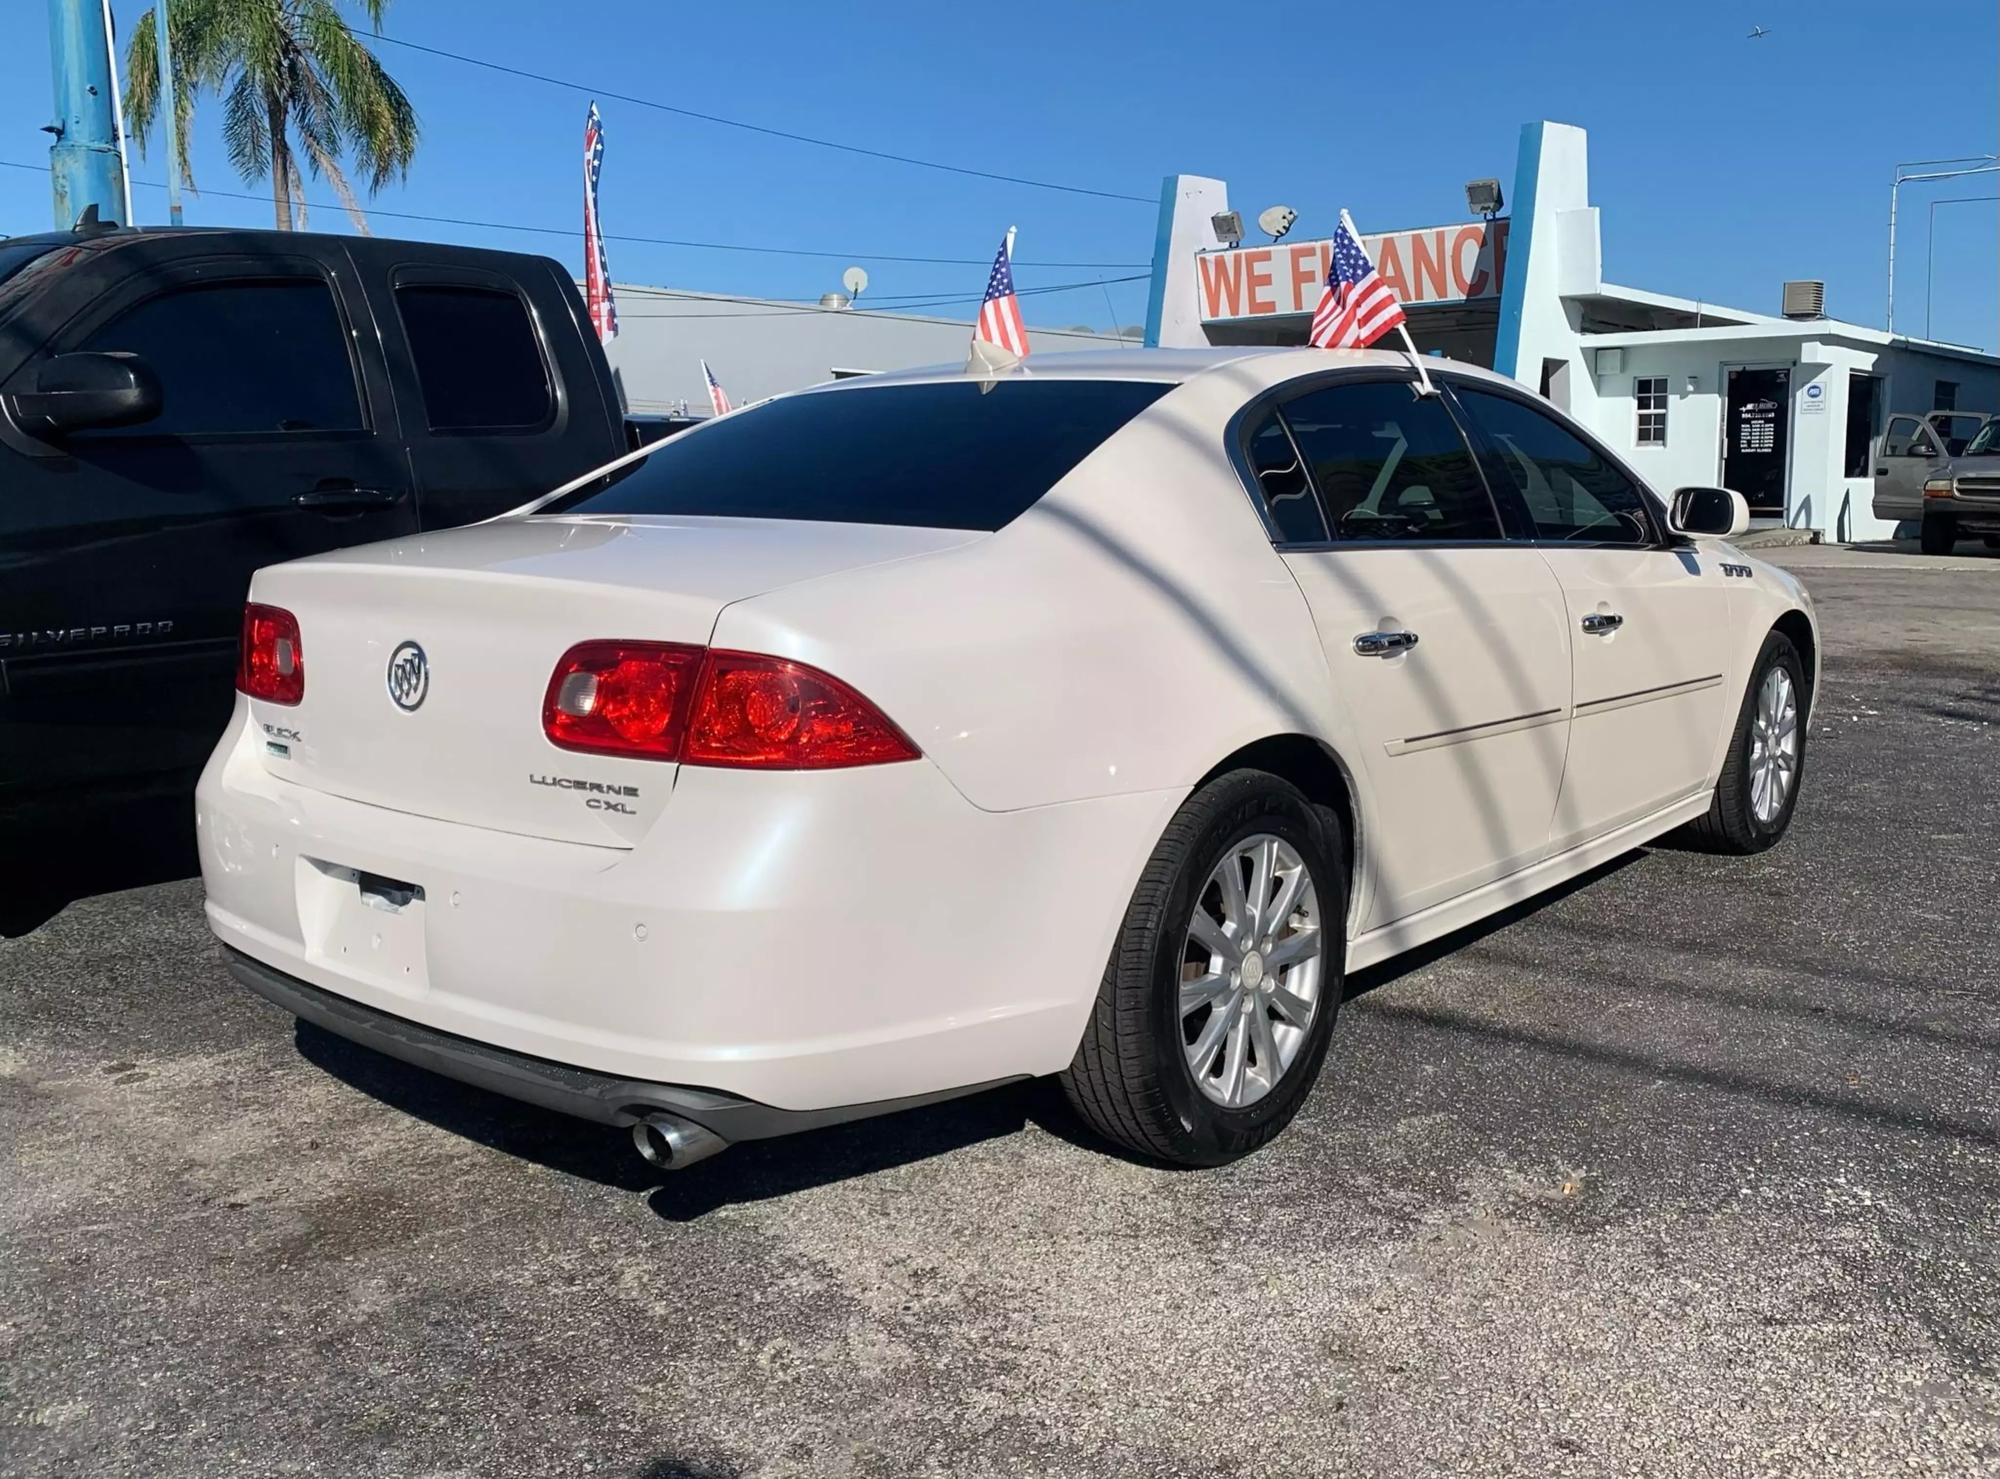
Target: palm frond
246	129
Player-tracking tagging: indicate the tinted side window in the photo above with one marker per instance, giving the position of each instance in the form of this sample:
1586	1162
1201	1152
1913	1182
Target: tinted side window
954	455
267	356
1390	464
1282	483
478	360
1571	491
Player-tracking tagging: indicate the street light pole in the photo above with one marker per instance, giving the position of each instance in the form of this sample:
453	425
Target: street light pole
1985	165
85	168
1930	237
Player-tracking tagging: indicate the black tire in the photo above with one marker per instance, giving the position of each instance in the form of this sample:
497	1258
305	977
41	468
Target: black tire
1732	824
1939	534
1130	1080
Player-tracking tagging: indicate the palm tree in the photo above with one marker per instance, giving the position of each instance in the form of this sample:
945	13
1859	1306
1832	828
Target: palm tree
283	68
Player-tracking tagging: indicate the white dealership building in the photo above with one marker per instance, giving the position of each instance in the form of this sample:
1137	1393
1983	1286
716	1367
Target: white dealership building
1785	409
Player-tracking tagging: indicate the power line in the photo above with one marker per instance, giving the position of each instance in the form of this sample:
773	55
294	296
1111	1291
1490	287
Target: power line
758	128
668	241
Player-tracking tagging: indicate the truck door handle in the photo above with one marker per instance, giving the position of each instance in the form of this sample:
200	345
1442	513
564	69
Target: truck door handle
1599	622
1881	472
1384	644
348	499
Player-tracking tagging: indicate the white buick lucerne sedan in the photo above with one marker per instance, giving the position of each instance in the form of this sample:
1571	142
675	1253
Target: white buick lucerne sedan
915	734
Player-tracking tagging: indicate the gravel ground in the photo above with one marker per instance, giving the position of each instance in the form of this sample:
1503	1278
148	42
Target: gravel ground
1692	1169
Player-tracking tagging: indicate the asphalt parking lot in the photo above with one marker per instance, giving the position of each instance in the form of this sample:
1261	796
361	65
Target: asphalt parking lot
1693	1169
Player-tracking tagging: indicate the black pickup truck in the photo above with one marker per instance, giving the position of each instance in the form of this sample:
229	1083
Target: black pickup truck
180	407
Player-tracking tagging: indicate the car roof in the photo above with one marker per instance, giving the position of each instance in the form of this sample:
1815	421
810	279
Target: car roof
1263	365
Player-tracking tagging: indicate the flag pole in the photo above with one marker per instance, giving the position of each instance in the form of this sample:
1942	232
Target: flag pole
1402	326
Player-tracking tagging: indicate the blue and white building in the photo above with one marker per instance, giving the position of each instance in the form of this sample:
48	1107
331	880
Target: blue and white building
1786	408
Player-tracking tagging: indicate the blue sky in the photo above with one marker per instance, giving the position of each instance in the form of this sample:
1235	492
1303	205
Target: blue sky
1723	165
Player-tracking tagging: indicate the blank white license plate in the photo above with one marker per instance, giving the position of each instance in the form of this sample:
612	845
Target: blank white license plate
364	923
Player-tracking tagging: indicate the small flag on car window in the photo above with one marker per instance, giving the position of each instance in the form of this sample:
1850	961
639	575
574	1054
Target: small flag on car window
718	398
1357	307
1000	312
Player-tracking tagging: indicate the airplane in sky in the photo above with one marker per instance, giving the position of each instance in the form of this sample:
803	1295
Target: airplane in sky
1758	33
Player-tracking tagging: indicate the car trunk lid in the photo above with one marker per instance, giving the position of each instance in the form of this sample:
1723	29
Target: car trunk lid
427	659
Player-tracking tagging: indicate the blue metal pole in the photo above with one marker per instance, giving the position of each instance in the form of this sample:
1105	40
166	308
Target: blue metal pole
84	166
169	112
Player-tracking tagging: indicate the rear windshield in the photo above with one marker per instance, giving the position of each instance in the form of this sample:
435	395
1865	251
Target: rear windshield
939	456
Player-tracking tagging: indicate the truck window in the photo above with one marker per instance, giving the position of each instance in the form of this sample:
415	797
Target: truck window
1957	430
250	357
1987	442
478	359
1896	440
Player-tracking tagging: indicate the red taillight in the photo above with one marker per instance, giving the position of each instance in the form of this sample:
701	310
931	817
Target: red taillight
270	662
666	701
621	698
764	713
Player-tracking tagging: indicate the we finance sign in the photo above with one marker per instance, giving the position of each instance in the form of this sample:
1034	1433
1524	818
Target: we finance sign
1438	264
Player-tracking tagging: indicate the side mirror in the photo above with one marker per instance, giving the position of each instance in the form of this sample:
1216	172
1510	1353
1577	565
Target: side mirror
76	391
1922	449
1709	513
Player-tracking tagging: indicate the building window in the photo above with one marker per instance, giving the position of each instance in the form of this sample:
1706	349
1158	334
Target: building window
1864	416
1946	396
1649	403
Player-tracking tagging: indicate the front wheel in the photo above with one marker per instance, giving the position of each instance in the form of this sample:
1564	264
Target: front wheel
1216	1008
1759	788
1939	534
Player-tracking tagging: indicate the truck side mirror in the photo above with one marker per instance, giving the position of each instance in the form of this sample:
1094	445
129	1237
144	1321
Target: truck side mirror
1709	513
76	391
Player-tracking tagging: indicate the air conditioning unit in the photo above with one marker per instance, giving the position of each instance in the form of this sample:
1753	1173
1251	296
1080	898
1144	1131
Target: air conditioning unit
1805	299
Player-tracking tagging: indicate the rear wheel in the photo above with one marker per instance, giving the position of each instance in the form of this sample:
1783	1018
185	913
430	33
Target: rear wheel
1759	788
1940	533
1217	1005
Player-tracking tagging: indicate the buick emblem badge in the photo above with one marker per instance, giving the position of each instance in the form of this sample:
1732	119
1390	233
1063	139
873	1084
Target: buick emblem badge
409	677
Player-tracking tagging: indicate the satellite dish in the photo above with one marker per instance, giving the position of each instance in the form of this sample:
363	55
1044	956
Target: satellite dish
1276	221
855	280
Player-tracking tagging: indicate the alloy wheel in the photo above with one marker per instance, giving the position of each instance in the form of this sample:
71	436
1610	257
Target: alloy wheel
1774	745
1250	971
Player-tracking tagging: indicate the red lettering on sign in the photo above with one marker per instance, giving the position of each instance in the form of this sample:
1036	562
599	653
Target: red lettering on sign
1427	265
1467	279
1257	281
1221	284
1389	262
1497	235
1306	275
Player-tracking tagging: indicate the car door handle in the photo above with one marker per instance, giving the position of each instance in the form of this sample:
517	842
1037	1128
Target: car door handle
1384	644
1599	622
349	499
1881	472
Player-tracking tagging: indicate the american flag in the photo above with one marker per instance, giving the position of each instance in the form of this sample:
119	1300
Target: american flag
718	398
596	269
1357	307
1000	312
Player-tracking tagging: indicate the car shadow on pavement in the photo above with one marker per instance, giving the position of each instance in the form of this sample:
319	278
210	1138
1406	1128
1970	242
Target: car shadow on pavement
751	1171
46	867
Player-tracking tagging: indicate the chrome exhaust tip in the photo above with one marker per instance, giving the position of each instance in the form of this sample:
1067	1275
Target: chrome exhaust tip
674	1144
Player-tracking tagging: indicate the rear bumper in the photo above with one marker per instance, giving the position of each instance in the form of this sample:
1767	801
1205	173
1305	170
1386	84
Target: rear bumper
602	1097
806	942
